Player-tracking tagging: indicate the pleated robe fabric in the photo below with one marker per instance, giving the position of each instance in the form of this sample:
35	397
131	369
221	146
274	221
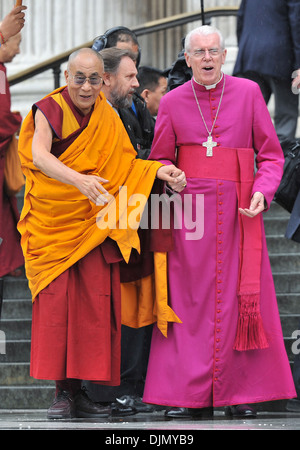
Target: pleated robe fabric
196	366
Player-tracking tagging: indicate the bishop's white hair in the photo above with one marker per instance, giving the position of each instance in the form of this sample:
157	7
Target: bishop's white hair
204	30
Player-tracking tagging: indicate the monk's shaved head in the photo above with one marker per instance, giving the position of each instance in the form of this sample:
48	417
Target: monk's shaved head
84	52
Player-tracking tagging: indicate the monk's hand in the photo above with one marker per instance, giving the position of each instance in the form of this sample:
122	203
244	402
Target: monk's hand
257	205
91	187
174	177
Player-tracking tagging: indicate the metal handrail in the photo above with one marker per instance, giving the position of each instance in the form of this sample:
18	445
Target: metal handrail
141	30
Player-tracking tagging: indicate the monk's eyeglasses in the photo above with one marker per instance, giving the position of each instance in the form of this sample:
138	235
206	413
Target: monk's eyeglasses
80	80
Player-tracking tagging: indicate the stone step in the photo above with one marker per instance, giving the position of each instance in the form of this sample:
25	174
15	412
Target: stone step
276	211
15	329
287	282
285	262
26	397
289	323
17	374
275	225
279	244
15	351
16	308
288	303
16	288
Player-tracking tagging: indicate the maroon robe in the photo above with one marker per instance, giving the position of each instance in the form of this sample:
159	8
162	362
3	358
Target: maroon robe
11	256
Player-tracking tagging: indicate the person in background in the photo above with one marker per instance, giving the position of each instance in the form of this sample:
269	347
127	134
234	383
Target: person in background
138	119
179	72
12	23
120	84
11	256
269	53
152	87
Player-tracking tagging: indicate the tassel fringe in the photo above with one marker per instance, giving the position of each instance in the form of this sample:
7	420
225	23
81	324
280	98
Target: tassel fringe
250	330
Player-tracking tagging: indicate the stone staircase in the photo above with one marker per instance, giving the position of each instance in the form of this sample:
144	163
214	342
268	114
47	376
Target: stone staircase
285	262
19	391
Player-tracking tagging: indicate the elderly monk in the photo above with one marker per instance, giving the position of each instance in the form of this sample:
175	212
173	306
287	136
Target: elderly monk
72	144
228	350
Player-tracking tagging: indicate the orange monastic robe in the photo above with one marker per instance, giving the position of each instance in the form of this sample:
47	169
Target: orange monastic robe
59	225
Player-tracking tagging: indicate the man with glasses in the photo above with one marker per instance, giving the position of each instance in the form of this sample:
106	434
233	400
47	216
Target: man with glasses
76	157
228	350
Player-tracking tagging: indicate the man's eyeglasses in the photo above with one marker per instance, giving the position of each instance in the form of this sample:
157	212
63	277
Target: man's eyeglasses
80	80
201	53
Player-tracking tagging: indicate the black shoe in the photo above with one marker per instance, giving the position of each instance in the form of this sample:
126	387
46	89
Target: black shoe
120	410
85	407
240	411
136	403
63	406
189	413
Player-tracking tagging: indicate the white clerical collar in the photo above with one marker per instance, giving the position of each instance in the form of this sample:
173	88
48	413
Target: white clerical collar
209	86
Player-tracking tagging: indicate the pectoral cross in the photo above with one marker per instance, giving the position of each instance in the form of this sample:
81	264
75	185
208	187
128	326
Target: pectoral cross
209	144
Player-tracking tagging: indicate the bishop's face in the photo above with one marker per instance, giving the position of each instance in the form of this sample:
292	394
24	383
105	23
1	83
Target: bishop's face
206	57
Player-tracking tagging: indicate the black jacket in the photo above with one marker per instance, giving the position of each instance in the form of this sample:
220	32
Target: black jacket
269	37
139	126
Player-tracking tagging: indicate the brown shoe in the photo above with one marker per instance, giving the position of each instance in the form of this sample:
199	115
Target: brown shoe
85	407
63	406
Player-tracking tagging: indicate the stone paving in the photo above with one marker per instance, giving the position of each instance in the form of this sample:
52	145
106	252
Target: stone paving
147	425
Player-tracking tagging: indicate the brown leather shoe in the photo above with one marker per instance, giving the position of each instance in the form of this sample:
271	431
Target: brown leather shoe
85	407
62	407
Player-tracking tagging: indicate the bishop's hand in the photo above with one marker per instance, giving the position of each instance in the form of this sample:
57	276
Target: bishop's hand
257	205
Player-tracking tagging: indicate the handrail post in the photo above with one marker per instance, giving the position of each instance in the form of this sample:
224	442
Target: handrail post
56	73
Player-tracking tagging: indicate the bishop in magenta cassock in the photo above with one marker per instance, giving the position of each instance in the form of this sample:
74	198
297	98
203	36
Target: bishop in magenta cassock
229	349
